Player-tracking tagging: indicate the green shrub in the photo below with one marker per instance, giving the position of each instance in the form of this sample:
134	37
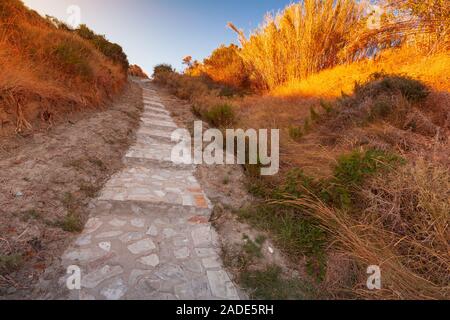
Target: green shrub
73	58
197	110
381	108
296	184
10	263
111	50
352	169
220	115
162	68
383	84
314	115
71	223
307	126
295	133
293	232
328	107
350	173
269	284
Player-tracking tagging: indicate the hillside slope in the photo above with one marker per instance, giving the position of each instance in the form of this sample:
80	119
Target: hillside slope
49	70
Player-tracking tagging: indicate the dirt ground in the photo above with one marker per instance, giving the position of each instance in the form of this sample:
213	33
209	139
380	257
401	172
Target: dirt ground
47	180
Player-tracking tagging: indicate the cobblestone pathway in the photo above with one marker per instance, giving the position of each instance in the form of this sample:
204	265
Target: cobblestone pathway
149	236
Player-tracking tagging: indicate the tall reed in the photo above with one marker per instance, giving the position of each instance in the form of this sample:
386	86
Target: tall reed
304	38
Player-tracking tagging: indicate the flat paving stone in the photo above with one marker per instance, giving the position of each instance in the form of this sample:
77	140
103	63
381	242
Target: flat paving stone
142	246
211	262
109	234
221	285
114	291
151	260
93	279
131	236
182	253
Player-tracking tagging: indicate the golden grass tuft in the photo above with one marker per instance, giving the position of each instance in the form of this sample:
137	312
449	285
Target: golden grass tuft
431	70
304	38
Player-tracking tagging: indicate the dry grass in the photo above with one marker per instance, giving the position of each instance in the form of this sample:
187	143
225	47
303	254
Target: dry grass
404	230
304	38
46	70
432	70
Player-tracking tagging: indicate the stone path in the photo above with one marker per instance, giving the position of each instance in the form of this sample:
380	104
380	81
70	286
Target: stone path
149	236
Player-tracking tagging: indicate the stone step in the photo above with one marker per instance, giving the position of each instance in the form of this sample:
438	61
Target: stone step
148	209
163	135
148	95
169	187
149	92
169	130
149	151
159	123
143	161
151	107
156	116
156	110
154	103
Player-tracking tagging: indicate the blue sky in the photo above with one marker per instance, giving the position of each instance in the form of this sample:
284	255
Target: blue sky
157	31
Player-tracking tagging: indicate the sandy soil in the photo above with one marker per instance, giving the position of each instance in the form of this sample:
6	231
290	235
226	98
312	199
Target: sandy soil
47	179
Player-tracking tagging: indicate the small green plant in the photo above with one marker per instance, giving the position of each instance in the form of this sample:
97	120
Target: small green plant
99	163
196	110
381	108
351	171
257	187
69	201
10	263
293	232
220	115
296	184
73	58
30	215
71	223
296	133
307	126
269	284
353	168
89	190
226	180
316	267
328	107
314	115
253	248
